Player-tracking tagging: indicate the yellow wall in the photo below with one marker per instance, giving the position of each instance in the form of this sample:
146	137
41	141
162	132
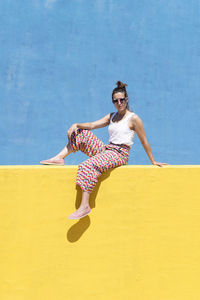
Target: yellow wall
141	240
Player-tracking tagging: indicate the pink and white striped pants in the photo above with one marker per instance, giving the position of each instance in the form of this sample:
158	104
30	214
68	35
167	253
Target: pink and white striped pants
102	157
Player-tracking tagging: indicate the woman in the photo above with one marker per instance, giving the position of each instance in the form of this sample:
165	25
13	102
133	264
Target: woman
122	127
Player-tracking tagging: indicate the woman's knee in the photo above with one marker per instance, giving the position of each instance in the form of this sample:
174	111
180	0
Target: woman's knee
82	166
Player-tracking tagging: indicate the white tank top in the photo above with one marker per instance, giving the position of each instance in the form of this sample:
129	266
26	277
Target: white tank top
119	132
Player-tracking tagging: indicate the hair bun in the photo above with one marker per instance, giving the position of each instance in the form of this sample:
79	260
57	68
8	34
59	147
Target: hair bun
121	84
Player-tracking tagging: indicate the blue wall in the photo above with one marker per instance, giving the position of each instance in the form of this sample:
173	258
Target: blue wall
60	60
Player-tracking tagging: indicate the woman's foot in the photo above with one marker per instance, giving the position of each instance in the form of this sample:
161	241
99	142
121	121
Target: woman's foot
80	213
53	161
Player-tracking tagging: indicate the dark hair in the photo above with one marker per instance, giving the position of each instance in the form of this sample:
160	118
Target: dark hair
121	88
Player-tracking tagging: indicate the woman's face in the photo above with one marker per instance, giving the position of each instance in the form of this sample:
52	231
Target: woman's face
119	101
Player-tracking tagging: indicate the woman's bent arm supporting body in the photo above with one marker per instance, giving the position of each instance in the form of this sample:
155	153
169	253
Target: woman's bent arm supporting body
92	125
137	126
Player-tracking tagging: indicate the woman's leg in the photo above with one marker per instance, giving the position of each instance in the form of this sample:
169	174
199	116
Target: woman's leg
64	152
90	170
89	144
88	173
83	140
84	209
58	159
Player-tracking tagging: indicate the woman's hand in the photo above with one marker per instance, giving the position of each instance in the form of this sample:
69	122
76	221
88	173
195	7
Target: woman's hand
71	130
159	164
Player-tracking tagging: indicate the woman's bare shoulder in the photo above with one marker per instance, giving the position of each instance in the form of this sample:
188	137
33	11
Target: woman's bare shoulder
135	117
134	120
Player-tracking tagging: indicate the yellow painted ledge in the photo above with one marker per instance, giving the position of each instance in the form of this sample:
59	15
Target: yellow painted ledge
75	166
141	241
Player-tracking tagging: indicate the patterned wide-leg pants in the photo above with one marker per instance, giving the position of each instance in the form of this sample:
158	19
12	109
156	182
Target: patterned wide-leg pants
102	157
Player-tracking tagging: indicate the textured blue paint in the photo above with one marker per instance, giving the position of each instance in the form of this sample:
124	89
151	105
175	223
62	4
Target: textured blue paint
60	60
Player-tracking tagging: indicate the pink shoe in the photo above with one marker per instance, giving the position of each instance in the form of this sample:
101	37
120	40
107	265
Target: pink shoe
57	162
79	215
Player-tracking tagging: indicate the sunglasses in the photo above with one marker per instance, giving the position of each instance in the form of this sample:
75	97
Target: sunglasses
121	100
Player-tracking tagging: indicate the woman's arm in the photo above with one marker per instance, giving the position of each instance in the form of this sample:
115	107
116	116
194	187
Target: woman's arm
91	125
137	126
96	124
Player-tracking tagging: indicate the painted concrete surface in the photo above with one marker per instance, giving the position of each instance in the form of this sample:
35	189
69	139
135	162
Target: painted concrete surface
60	60
141	239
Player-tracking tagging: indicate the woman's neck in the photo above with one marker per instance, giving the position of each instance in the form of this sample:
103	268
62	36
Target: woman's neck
122	113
